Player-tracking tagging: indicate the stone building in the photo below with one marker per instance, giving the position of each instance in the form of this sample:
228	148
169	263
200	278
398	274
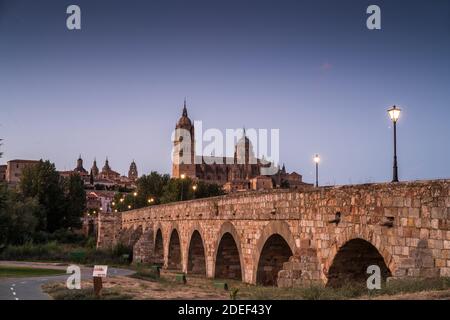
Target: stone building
234	173
14	169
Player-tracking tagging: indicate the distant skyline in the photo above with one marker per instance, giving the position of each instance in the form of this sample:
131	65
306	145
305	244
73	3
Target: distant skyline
309	68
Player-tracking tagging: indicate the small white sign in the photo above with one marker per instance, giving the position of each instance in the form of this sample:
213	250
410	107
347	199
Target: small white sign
100	271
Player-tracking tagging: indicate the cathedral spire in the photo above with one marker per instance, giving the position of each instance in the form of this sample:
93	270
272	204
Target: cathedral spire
185	109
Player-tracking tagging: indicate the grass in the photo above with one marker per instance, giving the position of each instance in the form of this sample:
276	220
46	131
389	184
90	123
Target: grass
348	291
16	272
60	292
56	252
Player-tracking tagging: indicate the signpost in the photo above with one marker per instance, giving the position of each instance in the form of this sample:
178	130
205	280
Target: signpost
99	273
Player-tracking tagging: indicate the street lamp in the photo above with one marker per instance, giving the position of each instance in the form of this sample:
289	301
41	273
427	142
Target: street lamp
394	114
317	160
150	200
194	188
183	176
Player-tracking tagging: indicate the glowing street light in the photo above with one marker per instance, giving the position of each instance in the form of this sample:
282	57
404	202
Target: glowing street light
317	160
394	114
135	194
182	176
194	188
151	200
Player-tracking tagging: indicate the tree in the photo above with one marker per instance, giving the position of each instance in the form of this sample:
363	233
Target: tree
176	190
150	187
18	217
42	181
205	190
75	201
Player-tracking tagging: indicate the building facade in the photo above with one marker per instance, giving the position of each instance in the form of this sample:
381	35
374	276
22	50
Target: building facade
233	173
15	168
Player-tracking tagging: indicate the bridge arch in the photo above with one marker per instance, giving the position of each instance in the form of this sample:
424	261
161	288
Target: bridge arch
174	253
158	248
228	254
196	253
352	257
274	247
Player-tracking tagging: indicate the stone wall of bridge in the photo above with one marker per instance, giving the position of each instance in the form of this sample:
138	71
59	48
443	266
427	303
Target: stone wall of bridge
290	238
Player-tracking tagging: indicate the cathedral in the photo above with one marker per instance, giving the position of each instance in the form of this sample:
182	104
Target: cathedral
107	176
241	172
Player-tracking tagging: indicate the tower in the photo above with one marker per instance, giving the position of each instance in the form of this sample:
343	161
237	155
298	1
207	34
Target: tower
133	173
106	168
79	167
183	160
94	168
244	157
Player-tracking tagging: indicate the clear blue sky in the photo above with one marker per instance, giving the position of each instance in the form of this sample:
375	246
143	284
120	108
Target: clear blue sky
310	68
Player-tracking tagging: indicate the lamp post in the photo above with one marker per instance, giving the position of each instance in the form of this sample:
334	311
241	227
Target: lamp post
194	188
394	114
183	176
134	199
317	160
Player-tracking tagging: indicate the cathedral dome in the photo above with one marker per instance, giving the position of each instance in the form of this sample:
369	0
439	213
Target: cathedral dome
184	121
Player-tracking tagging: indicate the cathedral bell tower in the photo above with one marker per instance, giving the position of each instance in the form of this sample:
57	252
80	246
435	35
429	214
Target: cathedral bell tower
183	157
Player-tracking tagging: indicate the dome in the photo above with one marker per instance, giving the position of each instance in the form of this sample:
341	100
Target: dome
184	121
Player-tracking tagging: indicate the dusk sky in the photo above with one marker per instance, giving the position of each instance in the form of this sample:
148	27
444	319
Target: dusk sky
309	68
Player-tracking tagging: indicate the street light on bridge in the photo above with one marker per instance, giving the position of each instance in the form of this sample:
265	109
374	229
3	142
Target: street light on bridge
317	160
182	176
394	114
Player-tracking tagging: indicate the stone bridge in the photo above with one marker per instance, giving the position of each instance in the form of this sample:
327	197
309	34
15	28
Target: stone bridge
291	238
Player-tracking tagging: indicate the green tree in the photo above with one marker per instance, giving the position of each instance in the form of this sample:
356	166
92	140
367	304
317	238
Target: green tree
5	218
18	217
205	190
42	182
150	187
75	201
176	190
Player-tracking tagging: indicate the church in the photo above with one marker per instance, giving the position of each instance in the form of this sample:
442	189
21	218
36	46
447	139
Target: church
241	172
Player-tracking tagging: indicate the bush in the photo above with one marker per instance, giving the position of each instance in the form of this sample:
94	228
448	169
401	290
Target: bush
53	251
29	251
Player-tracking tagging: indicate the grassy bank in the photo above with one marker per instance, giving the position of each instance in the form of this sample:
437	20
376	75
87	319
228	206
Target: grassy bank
349	291
16	272
60	292
56	252
145	284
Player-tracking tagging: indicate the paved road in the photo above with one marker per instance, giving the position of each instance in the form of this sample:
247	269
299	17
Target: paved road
30	288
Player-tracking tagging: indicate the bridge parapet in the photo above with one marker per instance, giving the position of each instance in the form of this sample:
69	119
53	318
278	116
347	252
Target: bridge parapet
407	224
